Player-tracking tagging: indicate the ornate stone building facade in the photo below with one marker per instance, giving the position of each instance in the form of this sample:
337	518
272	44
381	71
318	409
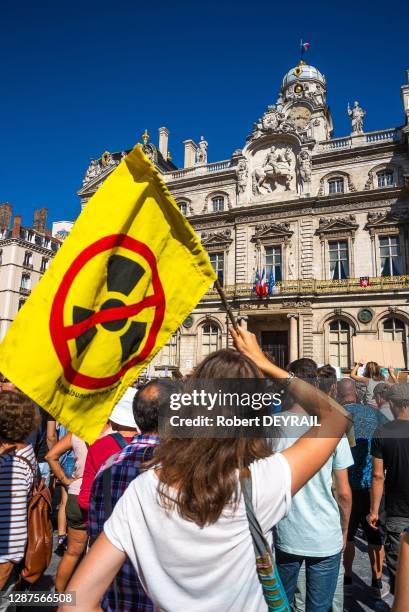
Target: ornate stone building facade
25	253
326	218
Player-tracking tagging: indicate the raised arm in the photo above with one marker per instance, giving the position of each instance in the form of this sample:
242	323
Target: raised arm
53	456
354	374
313	449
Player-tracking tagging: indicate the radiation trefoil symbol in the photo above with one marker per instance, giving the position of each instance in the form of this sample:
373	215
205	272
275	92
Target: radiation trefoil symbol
123	275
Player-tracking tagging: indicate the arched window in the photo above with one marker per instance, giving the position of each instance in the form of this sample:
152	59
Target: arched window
183	208
171	350
395	330
336	185
210	338
385	178
218	204
339	343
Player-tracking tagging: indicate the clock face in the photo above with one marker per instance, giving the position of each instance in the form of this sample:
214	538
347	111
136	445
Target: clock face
299	116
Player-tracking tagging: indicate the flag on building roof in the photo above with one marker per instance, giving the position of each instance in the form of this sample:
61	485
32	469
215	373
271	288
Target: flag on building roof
130	272
304	47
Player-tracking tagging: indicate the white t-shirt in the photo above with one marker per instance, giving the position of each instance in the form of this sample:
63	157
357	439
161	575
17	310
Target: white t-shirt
184	567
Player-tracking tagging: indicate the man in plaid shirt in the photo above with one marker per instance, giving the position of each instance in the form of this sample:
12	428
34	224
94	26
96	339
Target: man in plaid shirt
126	592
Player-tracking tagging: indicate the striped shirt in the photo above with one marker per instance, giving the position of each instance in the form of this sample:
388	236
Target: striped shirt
16	479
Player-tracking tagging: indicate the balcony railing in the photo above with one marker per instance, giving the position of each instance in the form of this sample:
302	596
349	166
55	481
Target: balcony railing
198	170
359	140
316	287
25	291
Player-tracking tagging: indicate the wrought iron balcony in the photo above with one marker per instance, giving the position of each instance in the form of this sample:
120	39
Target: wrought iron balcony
25	291
316	287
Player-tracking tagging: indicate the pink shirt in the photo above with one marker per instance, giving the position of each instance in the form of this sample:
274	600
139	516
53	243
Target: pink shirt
80	451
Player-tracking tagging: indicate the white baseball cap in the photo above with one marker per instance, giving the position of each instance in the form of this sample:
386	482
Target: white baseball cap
122	413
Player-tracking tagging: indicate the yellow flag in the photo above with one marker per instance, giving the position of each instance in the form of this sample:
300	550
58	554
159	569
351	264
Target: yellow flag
127	276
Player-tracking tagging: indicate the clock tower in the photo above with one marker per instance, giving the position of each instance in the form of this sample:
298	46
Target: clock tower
302	100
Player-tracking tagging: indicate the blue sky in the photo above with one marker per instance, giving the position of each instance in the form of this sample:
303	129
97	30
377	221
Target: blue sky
79	78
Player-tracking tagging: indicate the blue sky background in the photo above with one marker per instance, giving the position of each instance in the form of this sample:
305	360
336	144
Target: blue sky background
80	77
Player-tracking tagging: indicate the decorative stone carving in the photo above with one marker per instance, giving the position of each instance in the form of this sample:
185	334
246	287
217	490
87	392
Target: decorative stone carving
276	170
93	171
337	225
370	181
201	152
272	121
242	174
357	115
295	304
218	239
278	232
385	222
351	186
151	152
107	160
304	170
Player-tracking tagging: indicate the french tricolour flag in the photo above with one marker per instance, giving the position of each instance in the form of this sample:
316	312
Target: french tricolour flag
304	46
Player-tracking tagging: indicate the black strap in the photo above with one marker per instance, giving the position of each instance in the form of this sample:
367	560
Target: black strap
119	439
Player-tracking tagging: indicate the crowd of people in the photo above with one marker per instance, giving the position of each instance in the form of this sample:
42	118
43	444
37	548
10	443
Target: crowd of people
149	523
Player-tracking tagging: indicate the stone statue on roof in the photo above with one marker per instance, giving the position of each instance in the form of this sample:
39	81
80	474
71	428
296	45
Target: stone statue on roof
201	153
357	115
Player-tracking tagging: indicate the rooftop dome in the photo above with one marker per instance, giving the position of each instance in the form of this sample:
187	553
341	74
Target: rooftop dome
303	72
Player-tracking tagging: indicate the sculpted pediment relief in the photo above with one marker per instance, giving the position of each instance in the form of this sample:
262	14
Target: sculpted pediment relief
344	225
383	221
272	232
221	239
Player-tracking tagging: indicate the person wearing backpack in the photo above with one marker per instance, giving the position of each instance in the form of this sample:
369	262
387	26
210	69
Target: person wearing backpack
123	430
18	467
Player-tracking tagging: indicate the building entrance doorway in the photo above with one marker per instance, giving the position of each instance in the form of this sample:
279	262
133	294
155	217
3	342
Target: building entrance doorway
276	343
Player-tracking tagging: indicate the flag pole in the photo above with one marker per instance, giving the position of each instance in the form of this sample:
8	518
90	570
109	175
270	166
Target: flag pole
226	305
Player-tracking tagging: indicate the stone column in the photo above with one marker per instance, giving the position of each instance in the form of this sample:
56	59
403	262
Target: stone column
293	354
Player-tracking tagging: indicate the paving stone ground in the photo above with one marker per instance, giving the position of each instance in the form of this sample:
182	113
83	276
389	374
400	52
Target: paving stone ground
360	600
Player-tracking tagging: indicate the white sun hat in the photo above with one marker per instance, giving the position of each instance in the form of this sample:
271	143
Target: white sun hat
122	413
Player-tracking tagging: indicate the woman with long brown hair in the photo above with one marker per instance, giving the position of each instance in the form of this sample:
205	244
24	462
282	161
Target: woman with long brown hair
371	376
183	522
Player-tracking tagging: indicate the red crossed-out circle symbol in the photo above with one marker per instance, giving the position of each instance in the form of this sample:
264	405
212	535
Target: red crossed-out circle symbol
61	333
